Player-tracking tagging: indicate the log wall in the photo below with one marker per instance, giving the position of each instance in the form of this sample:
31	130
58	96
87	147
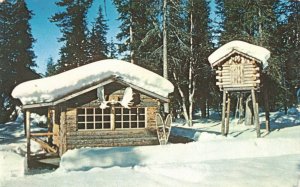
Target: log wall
238	73
71	137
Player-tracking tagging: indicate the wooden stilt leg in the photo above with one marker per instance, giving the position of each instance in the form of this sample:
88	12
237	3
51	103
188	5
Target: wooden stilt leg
267	109
227	115
255	109
223	113
28	132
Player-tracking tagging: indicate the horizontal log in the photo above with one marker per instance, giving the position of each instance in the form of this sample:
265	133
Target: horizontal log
244	65
254	76
244	83
239	89
244	68
110	132
111	142
239	86
34	134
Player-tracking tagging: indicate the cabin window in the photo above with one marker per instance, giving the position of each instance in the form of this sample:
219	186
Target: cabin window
93	118
132	118
96	118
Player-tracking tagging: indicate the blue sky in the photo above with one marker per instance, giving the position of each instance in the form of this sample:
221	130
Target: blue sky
47	33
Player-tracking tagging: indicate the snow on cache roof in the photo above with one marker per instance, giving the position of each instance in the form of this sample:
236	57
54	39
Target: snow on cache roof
260	53
52	88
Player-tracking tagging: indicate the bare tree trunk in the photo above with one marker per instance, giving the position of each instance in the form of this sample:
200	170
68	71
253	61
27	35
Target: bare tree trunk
131	42
191	80
183	100
165	52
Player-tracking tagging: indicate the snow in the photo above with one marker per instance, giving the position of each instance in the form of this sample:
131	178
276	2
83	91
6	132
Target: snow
260	53
55	87
239	160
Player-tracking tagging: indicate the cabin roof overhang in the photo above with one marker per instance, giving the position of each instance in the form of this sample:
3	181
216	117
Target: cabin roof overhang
54	90
257	53
103	83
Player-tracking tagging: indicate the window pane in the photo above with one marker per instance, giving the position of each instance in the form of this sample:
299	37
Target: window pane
80	119
134	111
125	111
126	117
106	118
118	125
90	125
118	117
141	124
107	125
133	124
106	111
142	110
98	125
80	111
98	111
118	110
141	117
98	118
81	126
90	118
125	124
90	111
133	118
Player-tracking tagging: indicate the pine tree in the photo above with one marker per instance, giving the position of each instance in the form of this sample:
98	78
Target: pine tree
17	56
72	24
112	50
51	67
139	31
98	42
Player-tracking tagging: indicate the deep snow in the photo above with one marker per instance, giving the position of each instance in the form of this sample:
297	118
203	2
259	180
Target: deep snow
255	51
212	160
55	87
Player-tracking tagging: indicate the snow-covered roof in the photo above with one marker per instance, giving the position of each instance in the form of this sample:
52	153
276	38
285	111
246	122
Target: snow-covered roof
55	87
259	53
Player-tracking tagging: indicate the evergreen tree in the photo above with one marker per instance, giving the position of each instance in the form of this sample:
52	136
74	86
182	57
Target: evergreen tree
112	50
72	24
51	67
98	42
16	56
140	32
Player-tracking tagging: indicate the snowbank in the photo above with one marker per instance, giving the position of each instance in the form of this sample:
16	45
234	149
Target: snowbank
52	88
260	53
87	158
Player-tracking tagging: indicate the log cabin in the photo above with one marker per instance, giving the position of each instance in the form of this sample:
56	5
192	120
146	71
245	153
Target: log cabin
101	104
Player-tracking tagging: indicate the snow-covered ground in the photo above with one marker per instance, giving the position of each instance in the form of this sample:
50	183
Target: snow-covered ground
211	160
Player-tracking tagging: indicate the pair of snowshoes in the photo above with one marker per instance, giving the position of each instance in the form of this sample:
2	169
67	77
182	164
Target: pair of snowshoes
163	128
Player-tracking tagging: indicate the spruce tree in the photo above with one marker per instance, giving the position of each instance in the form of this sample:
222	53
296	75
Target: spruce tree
16	56
98	41
72	24
51	67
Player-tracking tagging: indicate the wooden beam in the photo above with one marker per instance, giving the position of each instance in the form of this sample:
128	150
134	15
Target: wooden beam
256	117
223	114
33	134
44	145
227	115
27	121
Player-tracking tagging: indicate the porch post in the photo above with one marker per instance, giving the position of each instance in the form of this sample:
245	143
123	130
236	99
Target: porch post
27	123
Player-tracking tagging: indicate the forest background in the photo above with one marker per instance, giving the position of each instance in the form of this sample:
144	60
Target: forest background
170	37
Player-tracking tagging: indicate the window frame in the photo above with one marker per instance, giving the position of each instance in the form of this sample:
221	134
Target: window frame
112	119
